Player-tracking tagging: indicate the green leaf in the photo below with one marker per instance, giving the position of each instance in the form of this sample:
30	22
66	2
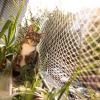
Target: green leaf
4	39
11	42
4	29
11	34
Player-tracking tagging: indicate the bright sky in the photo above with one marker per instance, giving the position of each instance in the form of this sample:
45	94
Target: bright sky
69	5
65	5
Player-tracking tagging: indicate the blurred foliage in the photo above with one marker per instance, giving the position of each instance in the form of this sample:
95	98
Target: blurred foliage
34	22
7	35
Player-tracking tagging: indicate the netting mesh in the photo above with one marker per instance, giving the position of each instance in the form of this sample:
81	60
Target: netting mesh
72	40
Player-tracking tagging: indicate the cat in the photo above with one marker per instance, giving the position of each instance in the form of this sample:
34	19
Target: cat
28	54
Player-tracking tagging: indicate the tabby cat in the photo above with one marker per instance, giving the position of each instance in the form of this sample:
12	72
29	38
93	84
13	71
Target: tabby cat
28	54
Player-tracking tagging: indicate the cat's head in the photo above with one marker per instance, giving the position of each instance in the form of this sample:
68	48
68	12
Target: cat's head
32	38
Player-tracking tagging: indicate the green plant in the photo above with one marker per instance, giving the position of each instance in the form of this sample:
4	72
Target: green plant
7	35
7	45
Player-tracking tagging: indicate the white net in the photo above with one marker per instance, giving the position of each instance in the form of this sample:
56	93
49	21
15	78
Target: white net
72	40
